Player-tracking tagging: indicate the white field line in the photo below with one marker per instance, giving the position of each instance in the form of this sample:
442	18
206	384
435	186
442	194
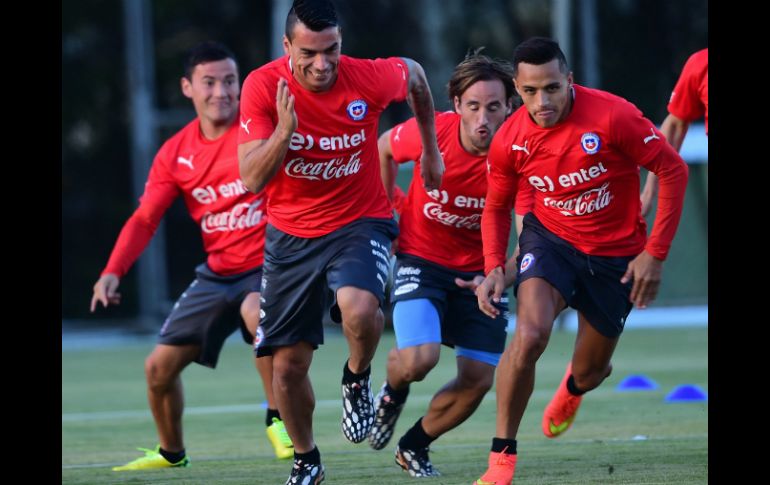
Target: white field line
454	446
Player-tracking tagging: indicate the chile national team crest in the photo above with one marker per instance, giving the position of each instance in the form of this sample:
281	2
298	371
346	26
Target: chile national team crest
526	262
357	109
590	143
259	337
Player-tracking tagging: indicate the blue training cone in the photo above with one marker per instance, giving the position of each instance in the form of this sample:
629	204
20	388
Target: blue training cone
687	393
636	383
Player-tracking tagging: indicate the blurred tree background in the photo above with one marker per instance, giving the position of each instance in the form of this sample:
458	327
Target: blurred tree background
642	46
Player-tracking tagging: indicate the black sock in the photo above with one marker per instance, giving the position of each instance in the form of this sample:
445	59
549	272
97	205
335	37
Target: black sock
397	396
271	413
313	456
349	376
572	388
500	444
416	438
172	457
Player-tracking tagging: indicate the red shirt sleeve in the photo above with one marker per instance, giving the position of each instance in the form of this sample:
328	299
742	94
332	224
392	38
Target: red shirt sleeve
393	76
672	175
640	141
258	115
405	141
160	190
685	102
502	185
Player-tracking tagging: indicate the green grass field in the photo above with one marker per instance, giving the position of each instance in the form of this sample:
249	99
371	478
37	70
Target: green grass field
618	438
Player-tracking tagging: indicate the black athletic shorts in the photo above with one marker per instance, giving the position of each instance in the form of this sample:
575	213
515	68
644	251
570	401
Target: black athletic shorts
589	284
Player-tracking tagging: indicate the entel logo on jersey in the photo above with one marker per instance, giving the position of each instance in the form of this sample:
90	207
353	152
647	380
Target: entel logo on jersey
526	262
299	141
357	109
590	143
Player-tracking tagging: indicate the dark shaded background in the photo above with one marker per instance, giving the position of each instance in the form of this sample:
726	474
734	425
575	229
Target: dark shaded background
643	46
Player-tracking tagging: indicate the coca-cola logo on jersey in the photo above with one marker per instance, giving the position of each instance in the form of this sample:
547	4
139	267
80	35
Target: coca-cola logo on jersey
324	170
588	202
435	212
241	216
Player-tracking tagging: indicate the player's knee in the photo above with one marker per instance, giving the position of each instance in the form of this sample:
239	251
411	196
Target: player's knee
158	375
418	369
287	370
360	311
250	315
477	383
532	342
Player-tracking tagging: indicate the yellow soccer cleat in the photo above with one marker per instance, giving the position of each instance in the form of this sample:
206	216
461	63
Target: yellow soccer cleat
280	440
151	460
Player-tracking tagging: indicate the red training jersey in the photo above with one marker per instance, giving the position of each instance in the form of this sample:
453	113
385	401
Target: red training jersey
444	226
585	171
330	175
205	172
690	97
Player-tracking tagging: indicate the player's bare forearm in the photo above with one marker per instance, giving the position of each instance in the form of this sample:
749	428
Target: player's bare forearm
388	167
421	102
259	160
510	268
674	129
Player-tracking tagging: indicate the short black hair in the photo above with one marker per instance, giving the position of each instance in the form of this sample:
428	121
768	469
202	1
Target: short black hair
207	51
539	51
478	67
316	14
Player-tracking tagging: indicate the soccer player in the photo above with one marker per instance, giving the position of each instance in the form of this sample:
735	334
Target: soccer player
199	163
585	243
689	101
309	136
439	250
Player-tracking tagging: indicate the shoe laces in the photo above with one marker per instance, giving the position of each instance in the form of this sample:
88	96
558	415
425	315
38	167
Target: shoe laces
569	404
387	401
504	459
358	390
283	435
421	455
149	452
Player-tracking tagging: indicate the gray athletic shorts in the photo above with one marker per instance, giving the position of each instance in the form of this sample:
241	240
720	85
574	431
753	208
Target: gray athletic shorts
299	272
209	311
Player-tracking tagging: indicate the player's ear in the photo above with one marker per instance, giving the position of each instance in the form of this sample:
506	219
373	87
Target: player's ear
186	86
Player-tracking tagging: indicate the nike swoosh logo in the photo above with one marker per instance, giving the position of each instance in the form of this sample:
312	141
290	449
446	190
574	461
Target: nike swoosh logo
560	428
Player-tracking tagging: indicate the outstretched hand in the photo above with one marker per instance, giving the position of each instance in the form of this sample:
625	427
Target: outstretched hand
491	290
645	271
470	284
284	105
105	291
431	169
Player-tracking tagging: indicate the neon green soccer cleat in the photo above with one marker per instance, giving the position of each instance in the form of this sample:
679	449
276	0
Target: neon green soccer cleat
151	460
280	440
